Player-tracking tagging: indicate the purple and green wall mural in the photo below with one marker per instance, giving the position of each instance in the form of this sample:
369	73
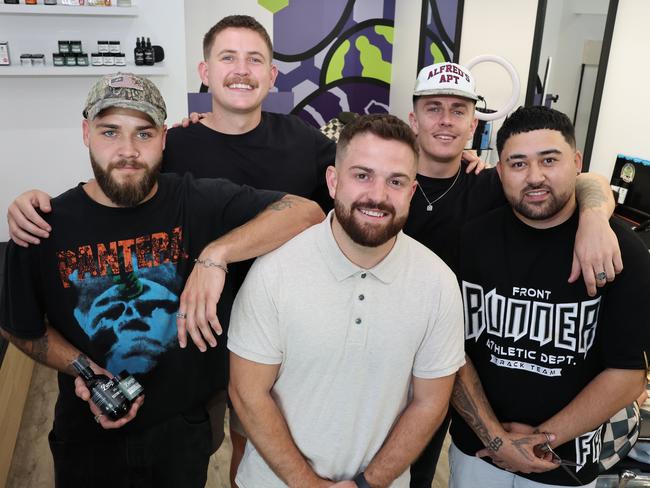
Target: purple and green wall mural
440	31
332	57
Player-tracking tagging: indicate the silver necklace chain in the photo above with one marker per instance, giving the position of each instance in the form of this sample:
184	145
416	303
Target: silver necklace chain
429	202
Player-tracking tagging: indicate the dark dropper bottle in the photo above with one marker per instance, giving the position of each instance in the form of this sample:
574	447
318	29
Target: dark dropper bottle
103	390
138	52
149	58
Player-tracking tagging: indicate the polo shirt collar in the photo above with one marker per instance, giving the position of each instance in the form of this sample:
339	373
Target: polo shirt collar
342	268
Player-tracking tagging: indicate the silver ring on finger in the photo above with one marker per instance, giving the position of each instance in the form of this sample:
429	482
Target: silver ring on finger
602	276
98	418
181	315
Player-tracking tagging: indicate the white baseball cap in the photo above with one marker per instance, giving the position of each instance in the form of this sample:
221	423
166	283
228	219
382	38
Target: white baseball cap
446	79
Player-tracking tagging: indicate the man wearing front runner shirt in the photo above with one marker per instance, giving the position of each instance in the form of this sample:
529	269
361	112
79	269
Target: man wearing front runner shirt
544	355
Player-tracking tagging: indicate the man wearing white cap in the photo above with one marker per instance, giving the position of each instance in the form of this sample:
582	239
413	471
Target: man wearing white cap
447	197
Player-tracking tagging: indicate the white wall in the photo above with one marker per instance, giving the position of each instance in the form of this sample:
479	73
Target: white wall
40	117
201	15
623	119
504	28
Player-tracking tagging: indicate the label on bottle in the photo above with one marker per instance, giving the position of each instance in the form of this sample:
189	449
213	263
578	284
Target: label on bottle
130	387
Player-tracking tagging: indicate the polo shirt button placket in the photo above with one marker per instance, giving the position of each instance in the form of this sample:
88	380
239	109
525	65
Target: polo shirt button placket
358	333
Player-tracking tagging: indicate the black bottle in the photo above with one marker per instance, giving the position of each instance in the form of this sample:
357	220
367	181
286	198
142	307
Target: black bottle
148	53
138	52
103	390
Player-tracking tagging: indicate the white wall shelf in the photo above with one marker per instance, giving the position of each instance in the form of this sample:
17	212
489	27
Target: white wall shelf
68	10
91	71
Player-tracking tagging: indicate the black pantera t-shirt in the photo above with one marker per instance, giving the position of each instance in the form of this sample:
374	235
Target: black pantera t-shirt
470	196
282	153
536	340
109	280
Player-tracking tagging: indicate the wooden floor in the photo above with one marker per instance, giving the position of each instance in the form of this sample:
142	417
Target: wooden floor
32	463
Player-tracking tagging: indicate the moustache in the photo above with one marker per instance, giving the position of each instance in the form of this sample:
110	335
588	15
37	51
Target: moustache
124	163
383	206
245	80
536	187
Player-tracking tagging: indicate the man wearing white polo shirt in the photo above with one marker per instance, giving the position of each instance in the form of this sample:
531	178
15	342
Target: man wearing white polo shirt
345	342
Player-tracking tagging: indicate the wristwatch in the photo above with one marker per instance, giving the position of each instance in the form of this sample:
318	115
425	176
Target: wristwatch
361	481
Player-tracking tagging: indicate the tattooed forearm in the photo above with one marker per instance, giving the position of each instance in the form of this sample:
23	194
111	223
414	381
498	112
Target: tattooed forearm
49	349
463	402
35	348
589	194
282	204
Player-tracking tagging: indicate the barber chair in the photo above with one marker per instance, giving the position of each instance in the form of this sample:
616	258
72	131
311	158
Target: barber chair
633	471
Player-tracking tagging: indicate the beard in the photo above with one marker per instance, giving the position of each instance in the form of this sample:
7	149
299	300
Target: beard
369	235
131	192
542	211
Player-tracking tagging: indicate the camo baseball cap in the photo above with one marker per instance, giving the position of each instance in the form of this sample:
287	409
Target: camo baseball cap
446	79
126	90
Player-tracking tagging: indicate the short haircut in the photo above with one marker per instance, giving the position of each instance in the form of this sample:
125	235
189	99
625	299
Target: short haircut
527	119
235	22
385	126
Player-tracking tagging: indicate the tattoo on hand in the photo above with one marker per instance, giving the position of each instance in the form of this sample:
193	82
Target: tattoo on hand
495	444
520	445
281	204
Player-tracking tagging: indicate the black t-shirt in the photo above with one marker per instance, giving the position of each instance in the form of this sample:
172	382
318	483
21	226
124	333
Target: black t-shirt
470	196
282	153
535	339
109	281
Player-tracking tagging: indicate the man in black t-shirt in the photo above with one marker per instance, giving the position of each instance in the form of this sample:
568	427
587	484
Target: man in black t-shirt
239	141
448	197
107	286
548	362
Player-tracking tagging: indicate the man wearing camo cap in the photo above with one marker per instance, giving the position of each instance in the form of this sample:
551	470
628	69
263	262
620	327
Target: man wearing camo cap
109	281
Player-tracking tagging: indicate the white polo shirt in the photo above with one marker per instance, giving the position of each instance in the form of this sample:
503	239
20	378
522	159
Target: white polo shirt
348	341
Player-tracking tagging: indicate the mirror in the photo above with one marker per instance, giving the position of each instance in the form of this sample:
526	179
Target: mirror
569	61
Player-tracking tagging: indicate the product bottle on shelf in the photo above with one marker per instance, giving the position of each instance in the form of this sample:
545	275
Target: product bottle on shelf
104	391
148	53
138	53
